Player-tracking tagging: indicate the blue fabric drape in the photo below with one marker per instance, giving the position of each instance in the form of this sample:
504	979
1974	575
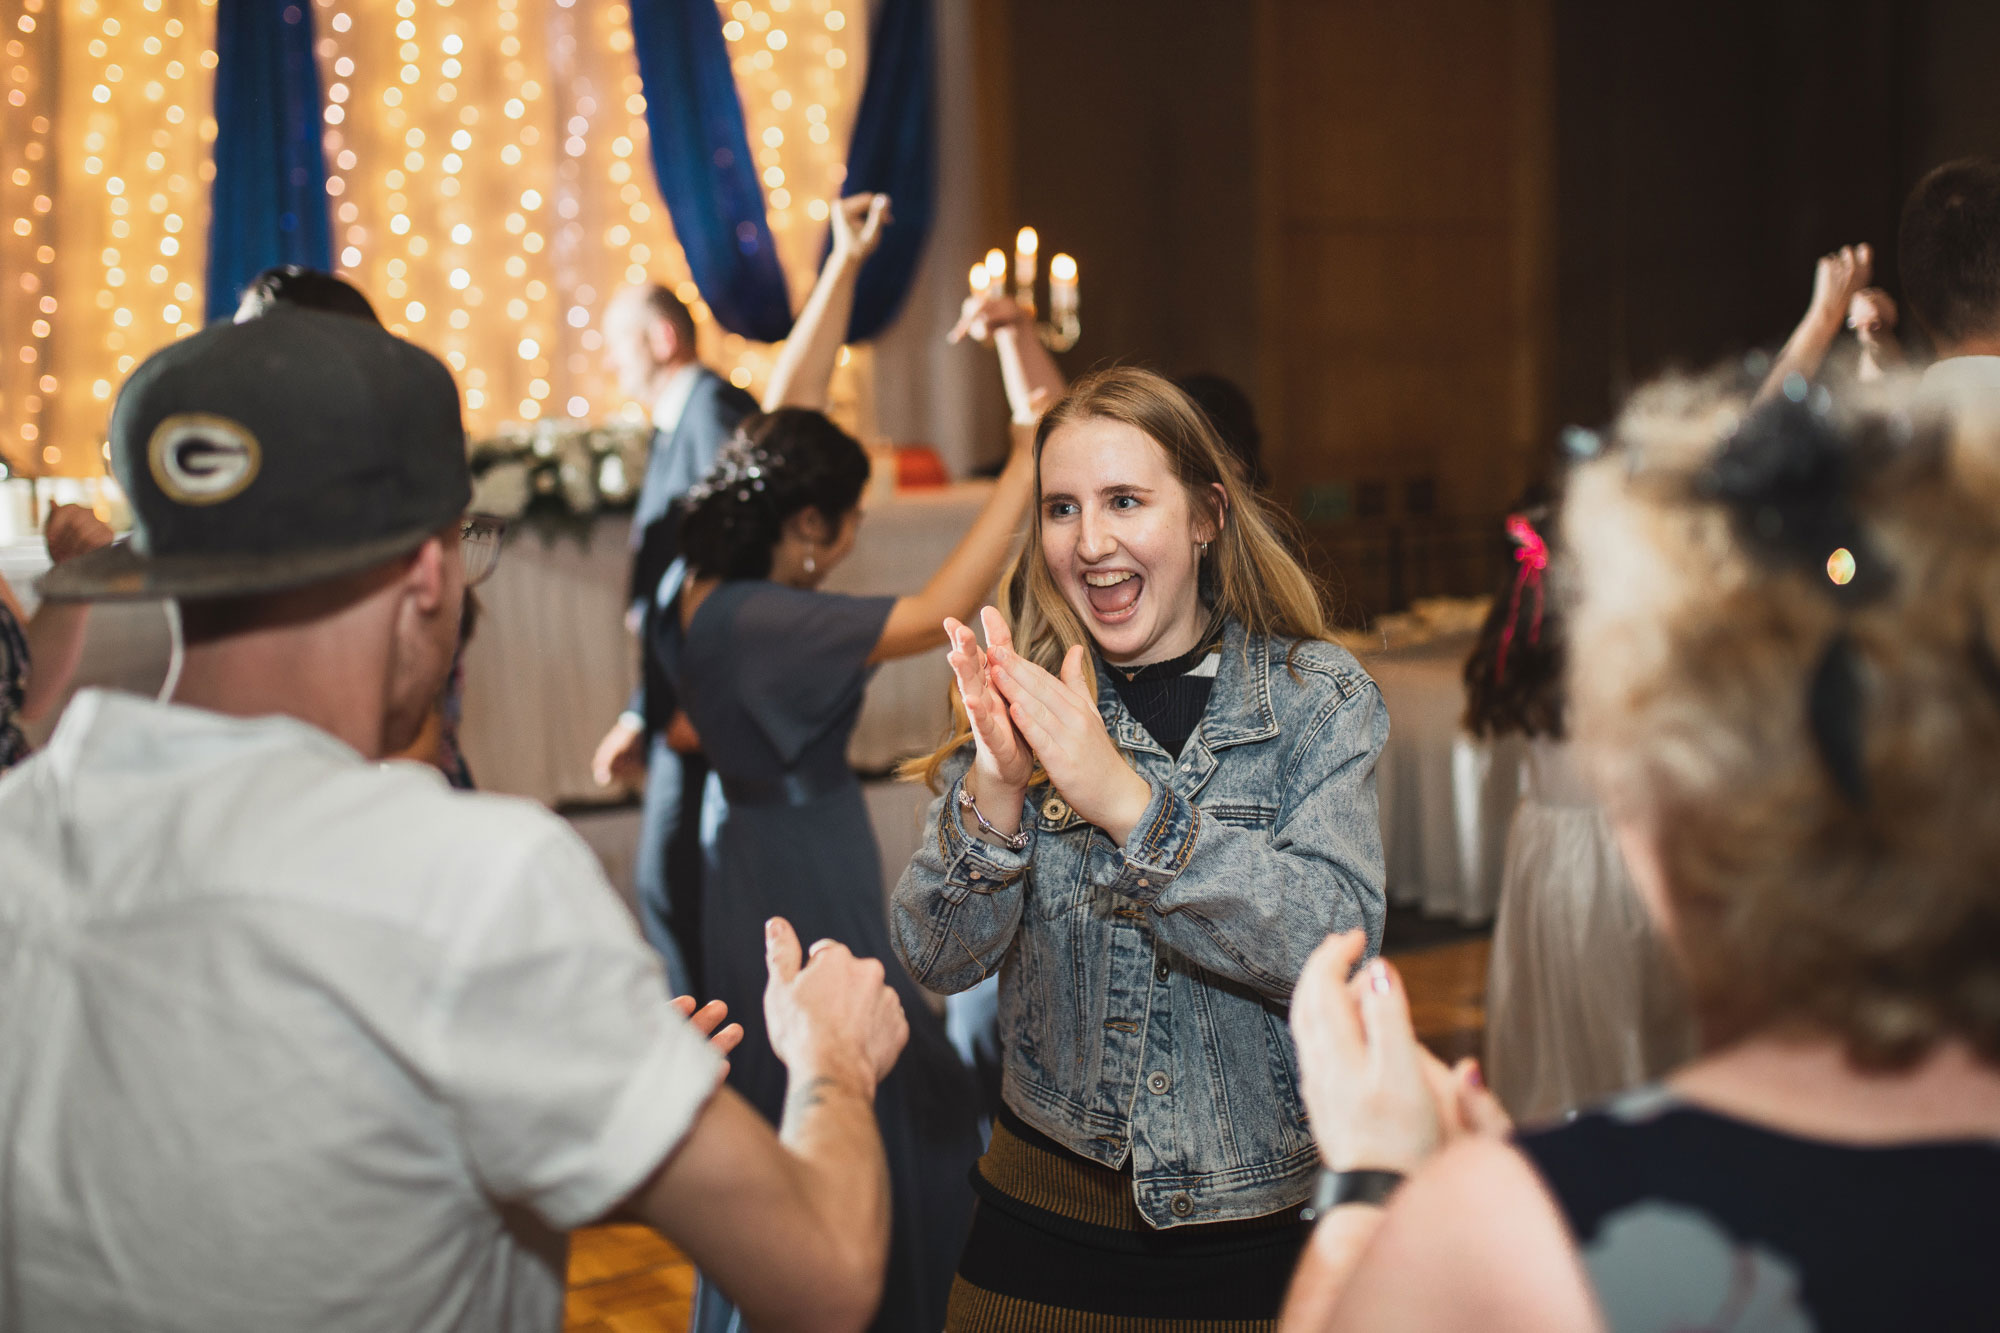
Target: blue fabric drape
708	176
894	152
702	159
268	205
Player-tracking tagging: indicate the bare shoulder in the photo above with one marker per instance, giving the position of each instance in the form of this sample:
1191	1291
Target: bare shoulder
1473	1241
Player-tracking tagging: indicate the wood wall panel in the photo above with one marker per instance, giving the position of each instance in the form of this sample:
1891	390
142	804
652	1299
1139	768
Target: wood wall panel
1405	290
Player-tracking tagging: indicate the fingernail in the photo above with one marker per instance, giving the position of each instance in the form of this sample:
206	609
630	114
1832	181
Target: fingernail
1474	1077
1378	977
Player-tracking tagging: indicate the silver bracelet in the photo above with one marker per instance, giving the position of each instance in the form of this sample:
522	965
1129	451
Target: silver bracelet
1018	841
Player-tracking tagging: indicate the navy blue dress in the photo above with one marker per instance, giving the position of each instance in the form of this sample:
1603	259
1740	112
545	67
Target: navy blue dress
772	678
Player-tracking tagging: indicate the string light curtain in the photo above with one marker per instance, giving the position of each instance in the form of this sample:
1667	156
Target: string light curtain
104	173
486	176
486	168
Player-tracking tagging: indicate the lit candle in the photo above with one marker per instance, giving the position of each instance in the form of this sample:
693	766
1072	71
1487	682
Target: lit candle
1062	289
996	270
980	280
1026	243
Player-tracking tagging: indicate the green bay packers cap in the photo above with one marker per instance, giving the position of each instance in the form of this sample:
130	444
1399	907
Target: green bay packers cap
273	454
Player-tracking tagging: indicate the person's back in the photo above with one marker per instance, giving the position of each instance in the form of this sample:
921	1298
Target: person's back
248	970
1786	692
295	1039
1688	1218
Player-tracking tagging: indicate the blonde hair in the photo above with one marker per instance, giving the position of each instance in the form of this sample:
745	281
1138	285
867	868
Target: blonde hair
1867	906
1251	575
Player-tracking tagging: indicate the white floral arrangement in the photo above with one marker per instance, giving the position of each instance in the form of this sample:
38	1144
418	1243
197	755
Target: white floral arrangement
559	475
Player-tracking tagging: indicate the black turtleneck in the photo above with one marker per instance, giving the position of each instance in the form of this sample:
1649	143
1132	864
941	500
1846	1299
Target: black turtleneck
1164	698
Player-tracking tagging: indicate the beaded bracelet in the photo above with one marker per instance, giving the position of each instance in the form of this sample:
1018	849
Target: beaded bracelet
1017	841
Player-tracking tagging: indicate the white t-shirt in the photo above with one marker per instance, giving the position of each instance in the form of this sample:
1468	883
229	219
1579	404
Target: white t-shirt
1968	386
290	1040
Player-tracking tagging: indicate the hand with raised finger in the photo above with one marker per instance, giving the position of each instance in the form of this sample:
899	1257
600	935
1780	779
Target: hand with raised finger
1361	1070
832	1015
1059	720
73	530
707	1020
857	225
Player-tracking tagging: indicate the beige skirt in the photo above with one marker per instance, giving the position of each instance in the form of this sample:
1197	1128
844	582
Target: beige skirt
1582	999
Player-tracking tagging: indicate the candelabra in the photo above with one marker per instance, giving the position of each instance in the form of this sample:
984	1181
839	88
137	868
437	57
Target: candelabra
1061	330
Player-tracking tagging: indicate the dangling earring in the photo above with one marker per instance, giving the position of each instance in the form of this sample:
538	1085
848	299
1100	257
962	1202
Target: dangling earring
811	564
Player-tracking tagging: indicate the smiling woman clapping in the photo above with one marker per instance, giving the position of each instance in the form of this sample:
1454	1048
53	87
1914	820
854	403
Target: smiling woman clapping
1161	798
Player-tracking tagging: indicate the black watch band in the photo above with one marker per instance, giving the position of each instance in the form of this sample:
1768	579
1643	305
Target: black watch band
1359	1186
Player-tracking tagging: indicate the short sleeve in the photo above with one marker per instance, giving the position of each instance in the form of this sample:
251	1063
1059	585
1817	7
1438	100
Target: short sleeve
569	1074
804	659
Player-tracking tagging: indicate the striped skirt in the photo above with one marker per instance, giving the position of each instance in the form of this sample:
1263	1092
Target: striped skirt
1059	1246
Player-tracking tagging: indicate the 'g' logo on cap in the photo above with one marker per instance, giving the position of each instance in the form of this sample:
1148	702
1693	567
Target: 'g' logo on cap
199	459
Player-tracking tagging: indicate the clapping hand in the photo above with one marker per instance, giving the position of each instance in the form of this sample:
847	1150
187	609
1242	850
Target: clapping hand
1060	722
858	221
1002	761
1376	1098
73	530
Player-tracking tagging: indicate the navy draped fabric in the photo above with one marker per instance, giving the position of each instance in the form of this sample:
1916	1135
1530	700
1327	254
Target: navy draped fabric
702	159
268	205
708	176
894	152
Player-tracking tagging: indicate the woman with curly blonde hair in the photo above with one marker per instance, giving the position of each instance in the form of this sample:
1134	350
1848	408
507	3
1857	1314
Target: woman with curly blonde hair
1161	796
1785	679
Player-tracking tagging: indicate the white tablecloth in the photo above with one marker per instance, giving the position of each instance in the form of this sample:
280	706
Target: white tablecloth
1446	798
125	644
551	664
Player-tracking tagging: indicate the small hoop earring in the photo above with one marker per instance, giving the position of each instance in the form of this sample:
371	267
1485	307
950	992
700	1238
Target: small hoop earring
1203	547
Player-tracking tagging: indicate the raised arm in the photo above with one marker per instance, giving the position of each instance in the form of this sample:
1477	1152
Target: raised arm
969	573
1836	280
1872	316
1030	374
916	624
794	1226
55	631
805	365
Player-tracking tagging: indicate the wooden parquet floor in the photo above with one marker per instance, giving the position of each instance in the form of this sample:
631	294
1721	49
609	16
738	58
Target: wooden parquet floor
625	1279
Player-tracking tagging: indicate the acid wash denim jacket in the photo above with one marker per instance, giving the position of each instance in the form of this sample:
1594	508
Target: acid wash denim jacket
1145	989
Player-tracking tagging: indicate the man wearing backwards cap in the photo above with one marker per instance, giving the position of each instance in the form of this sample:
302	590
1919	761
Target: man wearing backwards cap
294	1039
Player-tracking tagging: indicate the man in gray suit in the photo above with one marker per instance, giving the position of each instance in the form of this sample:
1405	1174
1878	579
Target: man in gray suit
650	342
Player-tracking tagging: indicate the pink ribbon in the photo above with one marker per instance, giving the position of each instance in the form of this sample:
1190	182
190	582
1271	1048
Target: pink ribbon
1531	559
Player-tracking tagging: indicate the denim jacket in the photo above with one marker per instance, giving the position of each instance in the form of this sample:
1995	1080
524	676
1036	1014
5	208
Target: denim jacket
1145	989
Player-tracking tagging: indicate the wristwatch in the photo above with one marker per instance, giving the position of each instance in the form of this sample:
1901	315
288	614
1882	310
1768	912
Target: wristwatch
1363	1185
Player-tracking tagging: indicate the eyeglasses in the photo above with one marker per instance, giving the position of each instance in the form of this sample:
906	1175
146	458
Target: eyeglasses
479	547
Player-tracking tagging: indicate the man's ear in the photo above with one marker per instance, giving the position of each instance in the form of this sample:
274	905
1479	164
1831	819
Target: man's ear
424	580
663	341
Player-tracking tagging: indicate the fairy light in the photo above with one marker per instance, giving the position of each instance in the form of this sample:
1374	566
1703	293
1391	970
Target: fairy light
489	186
132	150
27	176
